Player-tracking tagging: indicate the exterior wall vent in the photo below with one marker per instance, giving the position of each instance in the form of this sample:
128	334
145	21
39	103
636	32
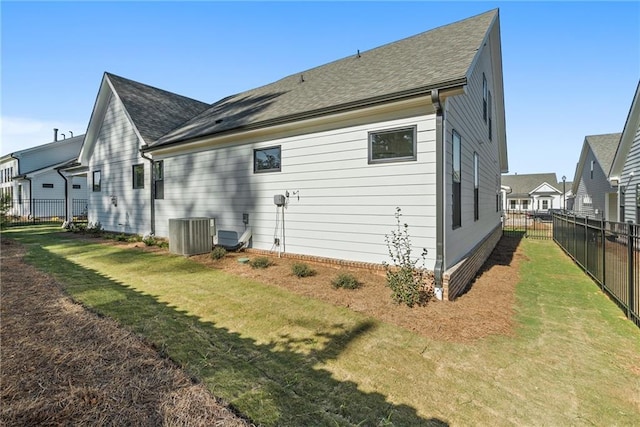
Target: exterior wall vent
190	236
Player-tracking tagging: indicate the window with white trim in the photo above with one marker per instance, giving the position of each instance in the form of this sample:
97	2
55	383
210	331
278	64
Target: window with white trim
158	176
138	176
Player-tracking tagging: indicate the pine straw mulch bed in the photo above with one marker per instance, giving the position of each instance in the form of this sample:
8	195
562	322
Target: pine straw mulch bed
63	365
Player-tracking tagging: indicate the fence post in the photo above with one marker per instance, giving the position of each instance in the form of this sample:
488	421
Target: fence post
630	240
604	252
586	243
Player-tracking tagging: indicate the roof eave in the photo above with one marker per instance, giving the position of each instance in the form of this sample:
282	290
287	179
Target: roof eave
450	88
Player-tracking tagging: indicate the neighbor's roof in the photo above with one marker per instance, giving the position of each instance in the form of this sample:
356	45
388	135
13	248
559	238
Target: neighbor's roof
522	185
438	58
153	111
604	148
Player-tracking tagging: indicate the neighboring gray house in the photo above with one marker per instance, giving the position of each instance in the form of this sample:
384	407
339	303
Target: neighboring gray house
30	178
594	195
625	168
316	163
533	192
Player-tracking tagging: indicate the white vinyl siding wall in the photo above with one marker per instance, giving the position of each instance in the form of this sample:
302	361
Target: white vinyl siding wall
115	152
632	164
48	177
464	114
339	206
595	188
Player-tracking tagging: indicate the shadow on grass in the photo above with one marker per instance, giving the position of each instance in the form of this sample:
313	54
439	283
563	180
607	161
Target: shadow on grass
271	383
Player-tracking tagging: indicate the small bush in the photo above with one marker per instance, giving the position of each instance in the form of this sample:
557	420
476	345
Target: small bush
406	278
149	240
163	244
218	252
94	228
134	238
260	262
121	237
345	281
300	269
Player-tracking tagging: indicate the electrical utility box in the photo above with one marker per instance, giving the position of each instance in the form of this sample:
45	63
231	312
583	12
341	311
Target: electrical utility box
190	236
279	199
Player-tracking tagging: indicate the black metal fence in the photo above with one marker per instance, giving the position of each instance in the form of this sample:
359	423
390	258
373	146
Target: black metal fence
40	211
607	251
532	224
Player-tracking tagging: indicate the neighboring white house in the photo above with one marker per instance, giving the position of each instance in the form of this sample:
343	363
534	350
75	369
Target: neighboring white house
594	195
625	168
316	163
534	192
31	179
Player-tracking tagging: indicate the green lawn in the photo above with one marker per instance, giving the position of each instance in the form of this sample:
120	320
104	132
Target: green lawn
286	360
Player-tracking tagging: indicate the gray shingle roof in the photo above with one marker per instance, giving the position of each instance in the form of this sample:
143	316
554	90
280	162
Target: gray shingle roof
154	111
434	59
604	148
522	185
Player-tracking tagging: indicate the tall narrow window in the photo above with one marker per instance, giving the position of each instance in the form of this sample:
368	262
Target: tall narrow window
476	185
484	97
138	176
97	184
622	202
490	114
19	194
457	180
158	176
593	162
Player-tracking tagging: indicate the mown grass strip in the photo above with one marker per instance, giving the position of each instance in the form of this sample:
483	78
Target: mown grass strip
287	360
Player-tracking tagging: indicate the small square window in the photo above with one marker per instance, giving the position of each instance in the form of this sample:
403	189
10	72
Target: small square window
395	145
97	184
267	159
138	176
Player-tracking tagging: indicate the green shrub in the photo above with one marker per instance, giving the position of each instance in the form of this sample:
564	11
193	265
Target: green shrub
94	228
406	279
134	238
260	262
218	252
301	269
345	281
149	240
163	244
121	237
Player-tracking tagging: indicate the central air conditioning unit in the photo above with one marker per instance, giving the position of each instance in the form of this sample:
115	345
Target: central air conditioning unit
190	236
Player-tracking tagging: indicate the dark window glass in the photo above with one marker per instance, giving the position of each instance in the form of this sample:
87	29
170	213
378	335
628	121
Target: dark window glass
47	185
457	181
138	176
392	145
97	184
266	159
158	176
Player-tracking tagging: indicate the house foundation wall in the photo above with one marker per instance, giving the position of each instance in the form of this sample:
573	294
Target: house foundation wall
457	279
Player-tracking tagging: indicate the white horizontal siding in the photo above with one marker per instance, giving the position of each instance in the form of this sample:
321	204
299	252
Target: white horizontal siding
339	206
464	114
115	153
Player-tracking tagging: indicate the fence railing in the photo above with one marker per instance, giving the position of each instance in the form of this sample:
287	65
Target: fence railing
607	251
38	211
533	224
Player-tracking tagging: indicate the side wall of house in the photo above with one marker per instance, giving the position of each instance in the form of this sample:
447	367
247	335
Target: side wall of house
632	183
338	205
41	186
591	195
464	114
117	206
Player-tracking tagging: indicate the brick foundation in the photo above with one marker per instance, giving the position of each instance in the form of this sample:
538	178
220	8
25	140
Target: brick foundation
456	279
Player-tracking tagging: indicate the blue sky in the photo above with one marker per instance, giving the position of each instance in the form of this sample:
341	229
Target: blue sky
570	68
